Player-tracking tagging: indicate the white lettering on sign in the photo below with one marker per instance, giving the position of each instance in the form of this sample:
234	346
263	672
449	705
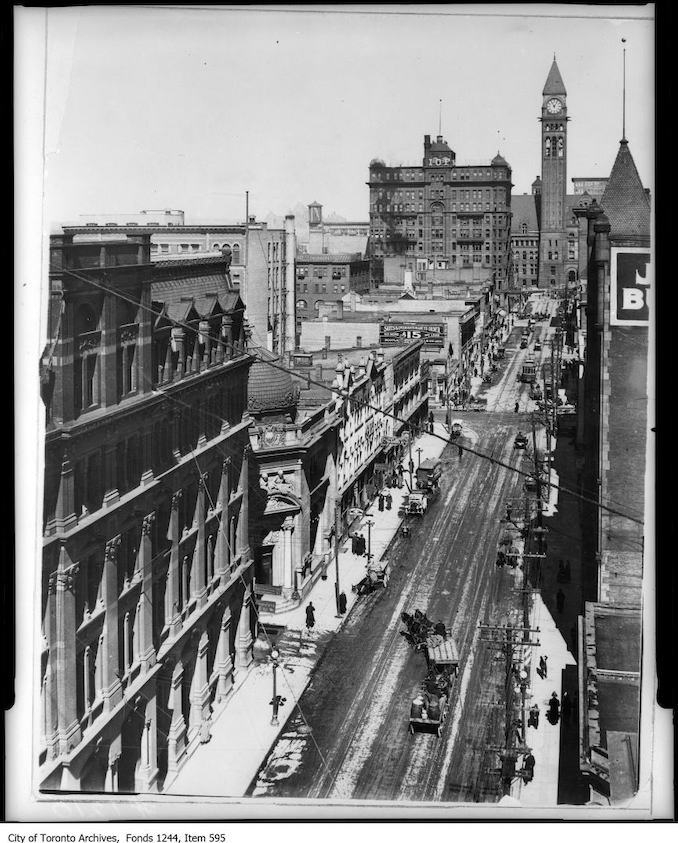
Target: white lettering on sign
632	298
632	279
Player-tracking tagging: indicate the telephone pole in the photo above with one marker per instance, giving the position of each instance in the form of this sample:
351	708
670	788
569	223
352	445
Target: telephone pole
510	640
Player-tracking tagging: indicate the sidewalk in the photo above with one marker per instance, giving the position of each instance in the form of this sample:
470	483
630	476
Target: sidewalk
242	734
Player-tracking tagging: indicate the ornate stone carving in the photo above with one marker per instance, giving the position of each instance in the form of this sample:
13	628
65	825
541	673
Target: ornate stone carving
176	497
225	466
275	484
146	524
272	435
111	553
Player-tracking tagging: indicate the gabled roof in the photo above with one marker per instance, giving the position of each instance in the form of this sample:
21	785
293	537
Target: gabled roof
625	202
554	81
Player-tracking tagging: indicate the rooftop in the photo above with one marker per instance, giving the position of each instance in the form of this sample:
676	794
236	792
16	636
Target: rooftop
625	201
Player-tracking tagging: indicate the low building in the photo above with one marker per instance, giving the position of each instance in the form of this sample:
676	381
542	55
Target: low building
146	565
327	237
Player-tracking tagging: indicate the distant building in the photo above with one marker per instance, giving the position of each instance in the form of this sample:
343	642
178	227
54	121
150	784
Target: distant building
334	238
327	278
439	215
146	565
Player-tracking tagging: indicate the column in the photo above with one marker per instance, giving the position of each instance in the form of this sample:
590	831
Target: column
288	559
109	352
173	589
243	644
147	774
64	512
224	662
143	363
243	519
64	656
199	586
114	753
222	554
200	692
110	667
145	623
176	738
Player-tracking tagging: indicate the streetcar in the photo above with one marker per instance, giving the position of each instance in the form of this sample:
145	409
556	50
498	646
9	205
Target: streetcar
528	373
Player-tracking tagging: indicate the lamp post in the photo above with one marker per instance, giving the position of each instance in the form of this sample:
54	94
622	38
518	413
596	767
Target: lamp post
419	452
275	702
369	524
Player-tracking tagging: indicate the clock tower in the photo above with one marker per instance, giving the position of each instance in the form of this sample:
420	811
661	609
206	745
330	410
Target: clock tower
553	236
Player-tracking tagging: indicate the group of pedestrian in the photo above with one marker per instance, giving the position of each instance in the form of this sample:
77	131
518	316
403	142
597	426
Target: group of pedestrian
385	500
358	544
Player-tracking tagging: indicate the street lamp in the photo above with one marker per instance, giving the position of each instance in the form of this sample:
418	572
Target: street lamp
419	452
369	523
275	702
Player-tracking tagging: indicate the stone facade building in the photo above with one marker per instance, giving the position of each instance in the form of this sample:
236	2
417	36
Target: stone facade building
292	498
327	278
439	215
146	565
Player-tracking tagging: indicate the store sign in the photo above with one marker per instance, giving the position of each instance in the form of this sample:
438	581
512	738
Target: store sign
398	333
632	278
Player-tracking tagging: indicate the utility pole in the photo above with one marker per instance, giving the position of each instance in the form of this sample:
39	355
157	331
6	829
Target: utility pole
507	638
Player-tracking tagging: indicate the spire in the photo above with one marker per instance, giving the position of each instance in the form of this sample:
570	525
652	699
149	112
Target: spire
624	93
440	117
554	81
625	201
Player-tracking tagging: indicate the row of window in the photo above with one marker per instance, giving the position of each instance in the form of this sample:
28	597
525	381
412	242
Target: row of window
184	248
458	175
322	288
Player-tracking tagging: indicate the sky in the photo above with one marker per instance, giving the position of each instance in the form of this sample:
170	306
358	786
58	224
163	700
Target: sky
189	108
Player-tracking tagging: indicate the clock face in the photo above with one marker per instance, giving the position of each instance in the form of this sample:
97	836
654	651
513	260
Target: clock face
554	106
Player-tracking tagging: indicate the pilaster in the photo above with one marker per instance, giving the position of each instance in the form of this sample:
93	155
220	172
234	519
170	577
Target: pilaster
69	734
145	626
110	667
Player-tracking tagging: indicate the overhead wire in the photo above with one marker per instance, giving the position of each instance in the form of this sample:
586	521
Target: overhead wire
344	394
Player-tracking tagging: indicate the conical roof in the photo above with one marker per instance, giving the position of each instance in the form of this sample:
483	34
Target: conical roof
625	201
271	390
554	81
499	161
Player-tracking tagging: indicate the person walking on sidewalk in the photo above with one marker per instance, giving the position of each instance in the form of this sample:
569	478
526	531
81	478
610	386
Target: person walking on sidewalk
542	670
528	767
560	601
554	709
389	500
533	719
310	616
515	407
461	451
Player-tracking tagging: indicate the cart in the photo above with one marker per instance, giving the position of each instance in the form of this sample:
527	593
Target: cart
520	441
456	429
377	576
429	707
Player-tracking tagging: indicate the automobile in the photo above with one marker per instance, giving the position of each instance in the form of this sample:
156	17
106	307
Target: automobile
523	342
520	441
537	345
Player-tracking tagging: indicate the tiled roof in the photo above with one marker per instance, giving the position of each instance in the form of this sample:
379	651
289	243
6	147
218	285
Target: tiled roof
189	262
554	81
270	390
524	210
625	202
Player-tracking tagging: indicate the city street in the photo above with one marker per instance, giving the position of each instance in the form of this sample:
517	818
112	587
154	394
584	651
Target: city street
352	741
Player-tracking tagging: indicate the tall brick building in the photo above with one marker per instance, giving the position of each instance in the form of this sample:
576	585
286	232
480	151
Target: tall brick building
436	216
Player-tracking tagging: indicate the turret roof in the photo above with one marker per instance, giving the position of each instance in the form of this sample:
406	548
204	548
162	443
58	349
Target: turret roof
625	201
554	81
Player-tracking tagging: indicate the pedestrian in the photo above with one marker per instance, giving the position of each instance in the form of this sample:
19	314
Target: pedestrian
342	603
528	767
354	544
554	709
534	717
381	502
543	667
508	511
515	407
560	601
361	544
461	452
566	707
310	616
389	500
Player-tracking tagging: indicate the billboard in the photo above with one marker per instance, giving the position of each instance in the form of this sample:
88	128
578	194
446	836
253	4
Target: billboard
632	277
400	333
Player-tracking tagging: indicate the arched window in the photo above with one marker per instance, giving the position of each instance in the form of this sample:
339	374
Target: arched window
523	228
547	148
301	304
317	304
216	247
560	147
236	253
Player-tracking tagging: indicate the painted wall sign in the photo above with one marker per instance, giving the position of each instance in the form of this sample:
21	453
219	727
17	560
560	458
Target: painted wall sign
632	278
